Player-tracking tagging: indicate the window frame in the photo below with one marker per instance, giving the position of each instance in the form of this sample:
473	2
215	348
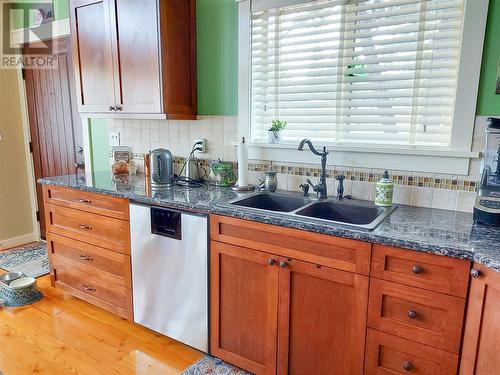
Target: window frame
454	160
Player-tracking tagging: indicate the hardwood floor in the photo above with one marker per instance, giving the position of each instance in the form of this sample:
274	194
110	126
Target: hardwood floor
61	334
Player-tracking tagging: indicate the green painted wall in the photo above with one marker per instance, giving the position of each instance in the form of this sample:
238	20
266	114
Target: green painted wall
98	130
217	38
488	102
61	11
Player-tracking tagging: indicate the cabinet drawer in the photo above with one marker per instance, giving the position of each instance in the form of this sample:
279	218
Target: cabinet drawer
428	271
100	288
94	229
389	355
90	202
90	255
339	253
427	317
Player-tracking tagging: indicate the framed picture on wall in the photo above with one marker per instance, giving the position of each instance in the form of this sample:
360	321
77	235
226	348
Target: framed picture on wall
497	91
43	13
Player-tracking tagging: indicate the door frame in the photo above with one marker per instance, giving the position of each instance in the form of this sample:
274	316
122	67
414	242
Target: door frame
30	167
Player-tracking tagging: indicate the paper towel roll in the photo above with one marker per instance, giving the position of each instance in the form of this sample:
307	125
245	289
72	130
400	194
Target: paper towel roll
242	163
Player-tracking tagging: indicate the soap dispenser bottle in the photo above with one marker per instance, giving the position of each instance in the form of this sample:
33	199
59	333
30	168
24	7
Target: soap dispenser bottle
385	190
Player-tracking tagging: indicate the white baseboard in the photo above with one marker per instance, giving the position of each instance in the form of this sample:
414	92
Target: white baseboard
18	241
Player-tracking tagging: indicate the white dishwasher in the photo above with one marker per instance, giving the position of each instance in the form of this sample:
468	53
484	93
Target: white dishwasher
169	251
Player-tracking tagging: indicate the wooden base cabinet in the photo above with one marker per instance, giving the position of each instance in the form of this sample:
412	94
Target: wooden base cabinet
276	315
321	318
88	240
244	307
481	345
390	355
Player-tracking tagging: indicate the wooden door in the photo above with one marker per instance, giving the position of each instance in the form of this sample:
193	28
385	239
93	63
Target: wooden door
93	55
322	320
137	63
244	303
55	127
481	346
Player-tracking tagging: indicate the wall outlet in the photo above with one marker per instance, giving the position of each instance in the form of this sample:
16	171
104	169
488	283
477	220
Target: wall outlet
114	139
203	145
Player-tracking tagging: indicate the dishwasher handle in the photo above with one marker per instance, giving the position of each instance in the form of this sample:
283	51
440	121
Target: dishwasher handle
165	222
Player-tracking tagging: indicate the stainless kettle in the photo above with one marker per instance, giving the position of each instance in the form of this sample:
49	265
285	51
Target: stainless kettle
162	168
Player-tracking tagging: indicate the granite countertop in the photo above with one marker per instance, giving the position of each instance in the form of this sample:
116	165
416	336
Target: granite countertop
422	229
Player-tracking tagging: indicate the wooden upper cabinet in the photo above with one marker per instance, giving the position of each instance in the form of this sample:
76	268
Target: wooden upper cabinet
481	347
92	55
322	319
135	58
135	40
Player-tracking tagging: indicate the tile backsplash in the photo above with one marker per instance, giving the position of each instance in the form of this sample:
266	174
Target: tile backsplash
419	189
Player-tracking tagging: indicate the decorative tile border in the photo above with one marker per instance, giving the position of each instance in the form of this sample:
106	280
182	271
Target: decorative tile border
353	175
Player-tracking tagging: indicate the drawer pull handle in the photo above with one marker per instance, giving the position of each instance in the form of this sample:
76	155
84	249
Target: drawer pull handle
416	270
283	264
475	273
88	288
86	227
83	200
271	261
86	257
412	314
408	366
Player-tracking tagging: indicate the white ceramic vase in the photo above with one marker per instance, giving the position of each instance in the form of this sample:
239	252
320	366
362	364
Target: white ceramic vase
274	136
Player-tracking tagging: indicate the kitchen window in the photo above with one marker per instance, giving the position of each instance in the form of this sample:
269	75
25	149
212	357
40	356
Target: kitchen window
393	76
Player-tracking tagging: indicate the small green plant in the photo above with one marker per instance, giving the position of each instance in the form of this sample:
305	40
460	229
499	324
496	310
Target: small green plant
277	125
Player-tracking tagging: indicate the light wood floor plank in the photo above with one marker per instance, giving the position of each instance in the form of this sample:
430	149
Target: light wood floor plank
64	335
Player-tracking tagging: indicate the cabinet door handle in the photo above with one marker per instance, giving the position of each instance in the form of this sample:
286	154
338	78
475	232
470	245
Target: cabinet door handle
112	108
88	288
86	227
475	273
83	200
118	108
416	269
271	261
86	257
412	314
283	264
407	366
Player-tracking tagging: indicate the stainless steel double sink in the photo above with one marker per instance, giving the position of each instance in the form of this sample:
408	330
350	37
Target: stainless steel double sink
350	212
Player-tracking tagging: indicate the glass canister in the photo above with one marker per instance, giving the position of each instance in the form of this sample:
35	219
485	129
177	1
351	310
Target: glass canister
385	191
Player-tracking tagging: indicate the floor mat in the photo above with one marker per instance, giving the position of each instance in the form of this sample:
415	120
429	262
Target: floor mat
32	260
213	366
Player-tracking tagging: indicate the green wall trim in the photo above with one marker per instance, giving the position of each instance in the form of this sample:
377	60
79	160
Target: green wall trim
217	39
488	102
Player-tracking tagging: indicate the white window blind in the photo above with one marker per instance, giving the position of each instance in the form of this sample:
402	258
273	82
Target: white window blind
378	72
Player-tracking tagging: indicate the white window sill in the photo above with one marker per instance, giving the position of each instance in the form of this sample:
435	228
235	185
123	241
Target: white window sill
402	159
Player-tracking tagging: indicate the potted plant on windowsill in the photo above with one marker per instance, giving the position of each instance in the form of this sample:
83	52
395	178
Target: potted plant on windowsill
274	132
